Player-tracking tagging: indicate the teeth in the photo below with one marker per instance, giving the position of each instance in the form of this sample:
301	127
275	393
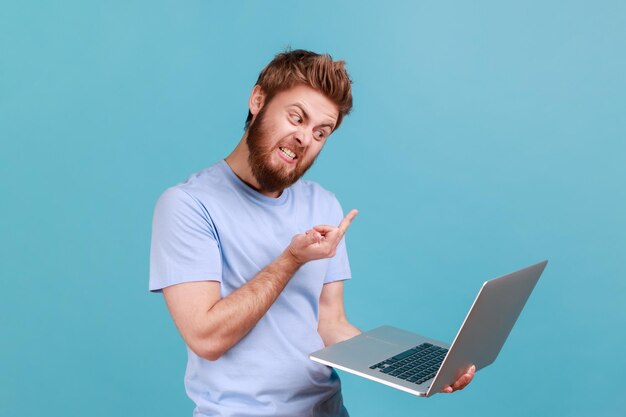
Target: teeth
287	152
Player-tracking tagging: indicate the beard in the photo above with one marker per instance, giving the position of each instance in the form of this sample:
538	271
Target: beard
270	178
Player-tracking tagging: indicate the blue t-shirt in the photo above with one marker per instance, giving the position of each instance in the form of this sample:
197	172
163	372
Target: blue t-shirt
215	227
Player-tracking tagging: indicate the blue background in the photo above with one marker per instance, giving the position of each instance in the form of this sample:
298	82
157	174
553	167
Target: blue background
485	136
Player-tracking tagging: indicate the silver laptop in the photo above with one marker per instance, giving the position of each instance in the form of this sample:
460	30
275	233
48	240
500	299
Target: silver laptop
423	366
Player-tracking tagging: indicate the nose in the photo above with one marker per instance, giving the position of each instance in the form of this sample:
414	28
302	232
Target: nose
302	137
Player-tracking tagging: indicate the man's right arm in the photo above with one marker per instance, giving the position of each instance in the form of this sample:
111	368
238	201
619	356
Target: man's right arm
210	325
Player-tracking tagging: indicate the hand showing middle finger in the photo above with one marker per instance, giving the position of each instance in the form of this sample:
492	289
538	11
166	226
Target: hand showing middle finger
319	242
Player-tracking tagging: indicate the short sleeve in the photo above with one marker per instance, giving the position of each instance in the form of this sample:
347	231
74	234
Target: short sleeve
184	246
338	265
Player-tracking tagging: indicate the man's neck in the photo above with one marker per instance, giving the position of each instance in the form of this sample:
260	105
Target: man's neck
238	162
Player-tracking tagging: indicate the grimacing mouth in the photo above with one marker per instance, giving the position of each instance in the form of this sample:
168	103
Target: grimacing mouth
288	152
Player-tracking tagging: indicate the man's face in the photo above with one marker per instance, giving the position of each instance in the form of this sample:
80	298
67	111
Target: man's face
287	134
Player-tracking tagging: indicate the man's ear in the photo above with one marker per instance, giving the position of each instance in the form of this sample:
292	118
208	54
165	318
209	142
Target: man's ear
257	99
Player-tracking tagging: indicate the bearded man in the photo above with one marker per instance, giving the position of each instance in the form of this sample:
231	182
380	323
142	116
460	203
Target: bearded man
251	258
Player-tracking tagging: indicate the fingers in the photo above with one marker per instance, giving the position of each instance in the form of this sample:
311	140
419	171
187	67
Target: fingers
314	236
343	226
345	223
462	382
464	379
320	241
323	229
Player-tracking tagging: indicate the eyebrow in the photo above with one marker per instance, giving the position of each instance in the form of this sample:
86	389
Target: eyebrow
330	125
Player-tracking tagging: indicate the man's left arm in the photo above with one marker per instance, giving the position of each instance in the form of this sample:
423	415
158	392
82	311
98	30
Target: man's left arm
334	327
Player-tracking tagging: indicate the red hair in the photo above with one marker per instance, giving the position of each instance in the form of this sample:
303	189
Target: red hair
320	72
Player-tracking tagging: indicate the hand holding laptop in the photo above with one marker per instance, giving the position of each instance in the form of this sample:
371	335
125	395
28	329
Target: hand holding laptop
424	366
462	382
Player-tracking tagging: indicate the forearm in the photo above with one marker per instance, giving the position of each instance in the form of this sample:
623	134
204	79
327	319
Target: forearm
211	325
335	331
232	317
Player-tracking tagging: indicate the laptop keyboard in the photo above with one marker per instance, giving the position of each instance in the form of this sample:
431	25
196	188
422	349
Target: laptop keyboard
417	365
